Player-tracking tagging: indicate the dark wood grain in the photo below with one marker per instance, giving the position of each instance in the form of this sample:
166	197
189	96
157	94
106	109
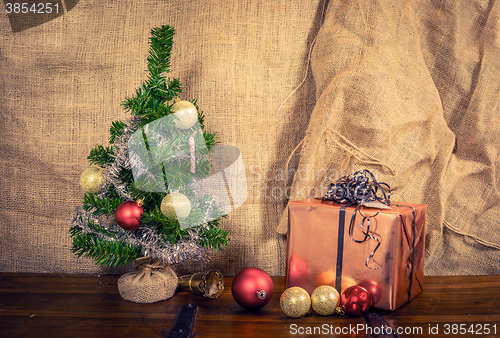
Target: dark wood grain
52	305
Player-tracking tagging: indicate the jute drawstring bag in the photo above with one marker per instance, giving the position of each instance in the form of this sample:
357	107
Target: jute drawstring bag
151	281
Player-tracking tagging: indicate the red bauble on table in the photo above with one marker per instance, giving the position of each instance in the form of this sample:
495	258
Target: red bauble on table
356	301
374	288
252	288
297	271
128	215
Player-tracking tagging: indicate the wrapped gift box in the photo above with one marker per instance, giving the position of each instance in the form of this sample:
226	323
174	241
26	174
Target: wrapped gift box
316	256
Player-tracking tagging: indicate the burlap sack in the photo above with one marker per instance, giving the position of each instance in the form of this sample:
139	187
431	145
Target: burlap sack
151	281
409	90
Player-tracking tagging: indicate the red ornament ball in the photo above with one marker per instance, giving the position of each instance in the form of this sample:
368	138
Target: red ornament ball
128	215
297	271
252	288
374	288
356	301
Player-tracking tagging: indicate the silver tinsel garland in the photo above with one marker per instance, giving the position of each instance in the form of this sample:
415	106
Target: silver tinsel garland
150	242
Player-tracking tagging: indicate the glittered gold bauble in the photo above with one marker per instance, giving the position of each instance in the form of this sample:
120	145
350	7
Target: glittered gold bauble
324	300
186	114
295	302
175	205
92	180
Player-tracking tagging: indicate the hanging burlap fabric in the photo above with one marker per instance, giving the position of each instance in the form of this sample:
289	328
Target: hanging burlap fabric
151	281
409	90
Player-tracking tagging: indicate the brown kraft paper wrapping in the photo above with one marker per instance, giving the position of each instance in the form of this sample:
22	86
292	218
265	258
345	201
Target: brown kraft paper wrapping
313	232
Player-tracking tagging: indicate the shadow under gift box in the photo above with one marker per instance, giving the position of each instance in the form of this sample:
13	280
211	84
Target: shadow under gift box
394	274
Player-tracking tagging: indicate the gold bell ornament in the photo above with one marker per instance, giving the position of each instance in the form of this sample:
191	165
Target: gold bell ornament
209	284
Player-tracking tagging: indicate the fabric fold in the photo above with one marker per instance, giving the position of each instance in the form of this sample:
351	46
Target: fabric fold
384	104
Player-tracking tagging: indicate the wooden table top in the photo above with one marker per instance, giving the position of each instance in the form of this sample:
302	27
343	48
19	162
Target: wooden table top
55	305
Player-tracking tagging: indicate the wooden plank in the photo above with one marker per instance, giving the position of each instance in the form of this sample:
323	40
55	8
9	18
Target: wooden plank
55	305
448	302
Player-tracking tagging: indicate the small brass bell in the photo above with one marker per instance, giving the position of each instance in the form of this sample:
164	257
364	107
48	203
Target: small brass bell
209	284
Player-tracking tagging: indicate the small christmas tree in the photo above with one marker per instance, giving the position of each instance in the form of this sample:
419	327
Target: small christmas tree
122	217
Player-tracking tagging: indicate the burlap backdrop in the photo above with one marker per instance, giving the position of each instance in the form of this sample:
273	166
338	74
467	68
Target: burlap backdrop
62	84
408	91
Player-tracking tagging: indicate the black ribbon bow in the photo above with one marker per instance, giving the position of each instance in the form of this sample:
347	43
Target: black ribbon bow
360	188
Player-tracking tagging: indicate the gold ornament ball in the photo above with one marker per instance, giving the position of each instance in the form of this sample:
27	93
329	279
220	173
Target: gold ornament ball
186	113
295	302
175	205
92	179
324	300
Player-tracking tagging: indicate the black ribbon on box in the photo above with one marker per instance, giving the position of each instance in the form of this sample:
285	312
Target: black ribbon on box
362	189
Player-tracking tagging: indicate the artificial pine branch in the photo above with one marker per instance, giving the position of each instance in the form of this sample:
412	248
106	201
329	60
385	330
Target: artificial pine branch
109	253
100	206
101	156
149	99
173	89
116	130
161	41
210	139
214	237
167	227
